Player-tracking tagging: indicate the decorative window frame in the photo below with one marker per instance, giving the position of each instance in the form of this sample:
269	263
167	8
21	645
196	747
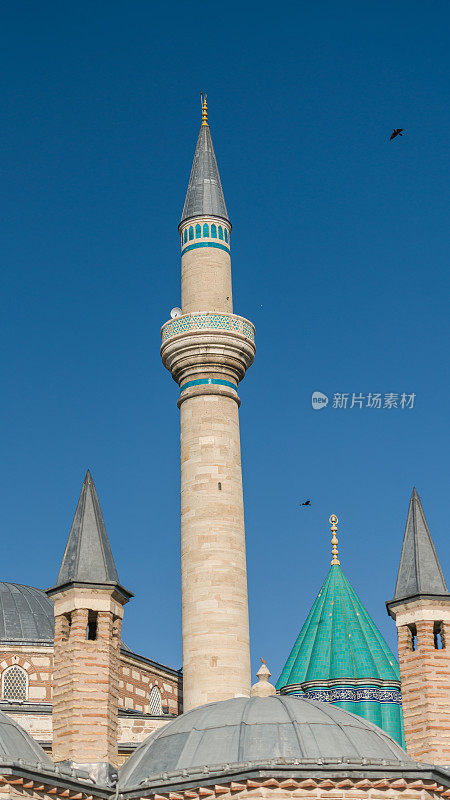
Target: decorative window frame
155	688
27	682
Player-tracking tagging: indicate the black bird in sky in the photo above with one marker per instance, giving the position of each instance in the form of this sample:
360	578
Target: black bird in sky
396	132
306	503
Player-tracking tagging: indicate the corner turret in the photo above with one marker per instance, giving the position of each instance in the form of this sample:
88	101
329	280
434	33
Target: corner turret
88	602
421	610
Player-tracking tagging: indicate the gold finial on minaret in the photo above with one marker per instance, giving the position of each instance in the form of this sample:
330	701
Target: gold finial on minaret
334	541
204	108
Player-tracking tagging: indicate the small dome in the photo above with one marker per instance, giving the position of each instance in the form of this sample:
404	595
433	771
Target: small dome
26	615
16	743
257	729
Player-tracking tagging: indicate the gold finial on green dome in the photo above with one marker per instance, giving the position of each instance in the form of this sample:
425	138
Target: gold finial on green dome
204	108
334	541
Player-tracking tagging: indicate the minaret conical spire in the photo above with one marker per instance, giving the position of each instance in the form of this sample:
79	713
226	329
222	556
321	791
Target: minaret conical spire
88	557
420	572
204	194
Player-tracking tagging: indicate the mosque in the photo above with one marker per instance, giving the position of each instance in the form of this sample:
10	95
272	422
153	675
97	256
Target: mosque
84	717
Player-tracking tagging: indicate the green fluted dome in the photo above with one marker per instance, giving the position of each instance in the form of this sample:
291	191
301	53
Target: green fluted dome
339	639
340	656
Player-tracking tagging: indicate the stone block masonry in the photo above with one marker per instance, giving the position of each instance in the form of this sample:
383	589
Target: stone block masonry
216	655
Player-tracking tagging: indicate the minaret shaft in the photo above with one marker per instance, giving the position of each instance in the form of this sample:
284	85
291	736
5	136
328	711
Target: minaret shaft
216	652
206	279
208	350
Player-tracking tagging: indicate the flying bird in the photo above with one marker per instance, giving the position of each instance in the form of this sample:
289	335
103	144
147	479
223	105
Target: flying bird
306	503
396	132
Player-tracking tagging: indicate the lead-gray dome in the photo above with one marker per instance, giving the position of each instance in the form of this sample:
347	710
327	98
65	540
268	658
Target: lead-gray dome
16	743
26	615
257	729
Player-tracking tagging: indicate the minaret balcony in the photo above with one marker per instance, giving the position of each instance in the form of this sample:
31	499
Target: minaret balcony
208	321
209	351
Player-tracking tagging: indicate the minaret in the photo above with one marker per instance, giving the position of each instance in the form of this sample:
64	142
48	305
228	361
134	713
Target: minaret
208	350
89	604
421	610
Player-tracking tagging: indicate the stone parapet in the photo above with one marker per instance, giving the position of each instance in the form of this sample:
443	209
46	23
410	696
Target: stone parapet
208	321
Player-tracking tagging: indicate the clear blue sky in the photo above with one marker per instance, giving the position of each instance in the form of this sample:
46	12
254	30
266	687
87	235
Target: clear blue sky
340	257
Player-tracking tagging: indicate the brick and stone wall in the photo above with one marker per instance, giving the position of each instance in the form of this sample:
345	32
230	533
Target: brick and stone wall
85	685
136	681
136	678
425	678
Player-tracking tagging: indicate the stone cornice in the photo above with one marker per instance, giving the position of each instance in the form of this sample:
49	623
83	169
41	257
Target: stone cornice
235	778
29	780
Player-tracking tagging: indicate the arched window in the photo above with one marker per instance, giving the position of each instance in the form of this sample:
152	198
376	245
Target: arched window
412	637
14	684
226	235
205	230
198	231
191	232
185	234
220	232
154	702
213	231
439	635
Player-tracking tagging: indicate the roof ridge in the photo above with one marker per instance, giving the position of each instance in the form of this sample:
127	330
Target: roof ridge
386	651
346	650
327	587
292	658
357	608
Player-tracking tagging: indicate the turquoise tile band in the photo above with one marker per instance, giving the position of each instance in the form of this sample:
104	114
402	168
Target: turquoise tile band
198	322
371	694
202	381
205	244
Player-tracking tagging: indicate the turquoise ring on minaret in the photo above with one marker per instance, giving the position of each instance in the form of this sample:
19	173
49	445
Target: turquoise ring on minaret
205	232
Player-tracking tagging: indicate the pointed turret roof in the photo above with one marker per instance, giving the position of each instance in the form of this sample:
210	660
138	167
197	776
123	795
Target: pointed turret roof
204	195
420	572
339	640
88	557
